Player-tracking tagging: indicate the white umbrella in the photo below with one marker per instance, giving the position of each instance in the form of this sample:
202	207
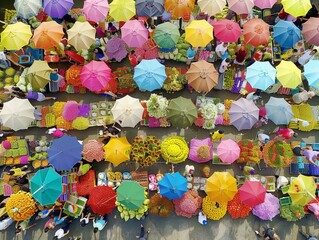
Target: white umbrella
212	7
81	35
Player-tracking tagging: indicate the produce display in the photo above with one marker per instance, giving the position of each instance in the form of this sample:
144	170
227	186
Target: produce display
145	150
292	212
160	206
175	81
237	209
174	149
278	154
214	210
179	54
126	84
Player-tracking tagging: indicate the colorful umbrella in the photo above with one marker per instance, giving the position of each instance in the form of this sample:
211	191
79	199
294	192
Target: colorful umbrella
302	190
115	49
130	194
256	32
27	8
288	74
122	10
17	114
134	33
252	193
181	112
263	4
286	34
93	150
102	200
243	114
211	7
47	35
268	209
228	151
227	30
200	150
179	8
15	36
310	31
172	185
166	35
149	50
46	186
221	187
296	8
149	75
39	74
95	10
199	33
241	6
149	8
279	111
261	75
81	35
311	73
117	150
65	152
57	8
202	76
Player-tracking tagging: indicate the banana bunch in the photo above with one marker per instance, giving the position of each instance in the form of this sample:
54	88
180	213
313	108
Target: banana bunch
222	14
9	14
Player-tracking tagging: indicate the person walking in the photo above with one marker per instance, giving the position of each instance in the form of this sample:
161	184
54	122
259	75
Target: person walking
267	233
143	235
100	223
307	236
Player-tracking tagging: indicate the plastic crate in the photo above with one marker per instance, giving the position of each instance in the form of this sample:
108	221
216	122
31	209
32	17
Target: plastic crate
315	146
284	201
295	169
313	170
284	189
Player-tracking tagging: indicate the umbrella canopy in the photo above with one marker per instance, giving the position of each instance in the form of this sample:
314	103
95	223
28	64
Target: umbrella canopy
288	74
268	209
243	114
252	193
256	32
65	152
122	10
310	31
179	8
181	112
57	8
15	36
134	33
241	6
127	111
117	150
172	185
199	33
47	35
201	150
202	76
227	30
211	7
81	35
149	8
95	10
261	75
302	190
17	114
279	111
263	4
286	34
130	194
311	73
228	151
221	187
102	200
39	74
296	8
93	150
116	49
27	8
166	35
46	186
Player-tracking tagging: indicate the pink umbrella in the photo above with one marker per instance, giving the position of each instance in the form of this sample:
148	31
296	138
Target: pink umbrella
115	48
93	150
227	30
57	9
252	193
228	151
310	31
134	33
262	4
241	6
95	10
201	150
256	32
95	75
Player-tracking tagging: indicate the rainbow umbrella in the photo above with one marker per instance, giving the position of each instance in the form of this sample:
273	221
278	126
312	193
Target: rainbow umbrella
47	35
241	6
256	32
179	8
27	8
228	151
227	30
296	8
288	74
95	10
57	8
199	33
15	36
134	33
262	4
122	10
211	7
286	34
310	31
149	8
81	35
311	73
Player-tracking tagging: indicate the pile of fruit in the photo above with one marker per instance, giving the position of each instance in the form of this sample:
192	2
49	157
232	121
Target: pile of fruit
9	77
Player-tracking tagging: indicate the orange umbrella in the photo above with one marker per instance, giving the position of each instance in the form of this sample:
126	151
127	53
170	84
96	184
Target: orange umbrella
179	8
256	32
48	35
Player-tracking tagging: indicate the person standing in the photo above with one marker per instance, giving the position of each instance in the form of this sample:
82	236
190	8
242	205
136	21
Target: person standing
63	231
222	69
190	55
143	235
100	223
267	233
241	54
221	50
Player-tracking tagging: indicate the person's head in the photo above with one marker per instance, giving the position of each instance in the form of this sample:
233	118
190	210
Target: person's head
132	52
225	44
227	60
220	131
263	50
266	140
212	17
98	50
313	52
295	50
153	27
110	24
311	94
46	230
295	135
95	230
18	229
83	224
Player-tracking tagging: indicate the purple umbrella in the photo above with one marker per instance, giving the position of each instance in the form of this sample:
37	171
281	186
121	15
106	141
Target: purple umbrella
57	8
268	209
201	150
115	48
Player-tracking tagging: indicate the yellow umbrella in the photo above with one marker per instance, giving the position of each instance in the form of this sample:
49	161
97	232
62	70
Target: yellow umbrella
212	7
288	74
16	36
39	74
47	35
199	33
302	190
221	187
122	10
117	150
179	8
296	8
81	35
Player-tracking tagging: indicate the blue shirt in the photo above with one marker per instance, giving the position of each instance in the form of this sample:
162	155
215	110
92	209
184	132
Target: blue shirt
190	53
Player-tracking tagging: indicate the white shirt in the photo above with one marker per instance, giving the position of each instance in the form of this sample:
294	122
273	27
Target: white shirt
262	137
4	224
59	233
223	66
86	220
306	57
220	50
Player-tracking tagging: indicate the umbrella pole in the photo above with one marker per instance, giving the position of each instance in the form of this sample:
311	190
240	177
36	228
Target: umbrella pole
3	22
106	201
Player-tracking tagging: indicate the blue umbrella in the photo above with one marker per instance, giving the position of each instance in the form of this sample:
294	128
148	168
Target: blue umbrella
312	73
149	8
149	75
261	75
173	185
279	111
286	34
65	152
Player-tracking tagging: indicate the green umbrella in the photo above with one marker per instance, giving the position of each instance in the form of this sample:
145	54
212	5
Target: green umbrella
131	194
39	74
181	112
166	35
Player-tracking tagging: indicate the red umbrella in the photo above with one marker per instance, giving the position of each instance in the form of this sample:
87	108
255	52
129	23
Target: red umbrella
102	200
256	32
310	31
252	193
227	30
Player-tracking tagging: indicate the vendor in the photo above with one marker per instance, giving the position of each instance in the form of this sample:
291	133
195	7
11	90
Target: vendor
218	135
311	156
285	133
110	132
83	169
18	172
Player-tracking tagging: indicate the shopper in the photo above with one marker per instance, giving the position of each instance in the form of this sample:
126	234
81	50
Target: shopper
100	223
267	233
143	235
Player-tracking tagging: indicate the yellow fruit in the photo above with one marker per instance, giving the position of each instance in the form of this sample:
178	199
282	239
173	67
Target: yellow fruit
10	71
2	73
8	80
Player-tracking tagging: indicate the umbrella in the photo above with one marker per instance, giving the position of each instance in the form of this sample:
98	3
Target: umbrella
263	4
93	150
172	185
279	111
288	74
95	75
127	111
179	8
27	8
286	34
149	8
95	10
47	35
296	8
102	200
65	152
200	150
46	186
228	151
166	35
57	8
302	190
310	31
181	112
227	30
211	7
199	33
130	194
15	36
268	209
149	75
202	76
81	35
311	73
243	114
134	33
122	10
115	48
39	74
261	75
17	114
221	187
256	32
241	6
117	150
252	193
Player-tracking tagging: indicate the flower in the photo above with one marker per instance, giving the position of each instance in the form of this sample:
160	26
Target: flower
174	149
72	75
214	210
208	110
199	122
144	150
160	205
157	106
237	209
21	206
220	108
57	108
174	81
189	204
80	123
292	212
203	153
209	124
